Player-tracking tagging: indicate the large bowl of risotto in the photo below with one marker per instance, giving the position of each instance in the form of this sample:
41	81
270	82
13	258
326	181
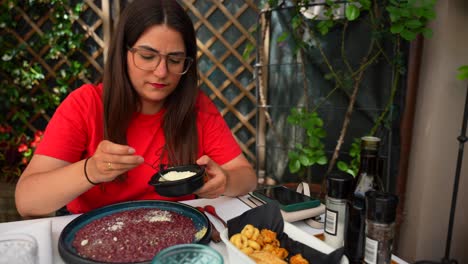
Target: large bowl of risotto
178	180
131	232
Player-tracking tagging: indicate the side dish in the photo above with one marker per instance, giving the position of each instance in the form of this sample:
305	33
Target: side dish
263	246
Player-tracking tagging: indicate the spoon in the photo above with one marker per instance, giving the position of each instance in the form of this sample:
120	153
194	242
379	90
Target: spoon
215	235
211	210
160	175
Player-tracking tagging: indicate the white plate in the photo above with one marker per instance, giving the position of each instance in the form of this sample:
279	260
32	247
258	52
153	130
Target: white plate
237	256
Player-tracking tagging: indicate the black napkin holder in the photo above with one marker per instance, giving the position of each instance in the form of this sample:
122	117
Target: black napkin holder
269	216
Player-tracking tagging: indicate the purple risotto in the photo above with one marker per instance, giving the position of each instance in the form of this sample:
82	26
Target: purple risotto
133	236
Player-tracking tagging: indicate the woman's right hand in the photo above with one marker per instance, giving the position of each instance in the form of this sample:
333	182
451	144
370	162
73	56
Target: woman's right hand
111	160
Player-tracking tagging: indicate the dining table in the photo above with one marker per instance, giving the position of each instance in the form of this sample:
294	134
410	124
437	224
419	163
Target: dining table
226	207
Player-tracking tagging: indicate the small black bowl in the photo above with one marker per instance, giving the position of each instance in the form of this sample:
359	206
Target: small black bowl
179	187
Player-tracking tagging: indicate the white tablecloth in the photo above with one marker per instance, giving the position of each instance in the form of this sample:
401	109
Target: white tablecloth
226	207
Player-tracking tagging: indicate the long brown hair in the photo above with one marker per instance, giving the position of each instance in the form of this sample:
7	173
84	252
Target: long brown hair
121	101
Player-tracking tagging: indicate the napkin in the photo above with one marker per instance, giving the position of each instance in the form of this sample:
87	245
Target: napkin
269	216
42	232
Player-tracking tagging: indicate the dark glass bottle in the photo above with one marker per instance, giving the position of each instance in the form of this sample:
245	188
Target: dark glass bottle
367	180
368	177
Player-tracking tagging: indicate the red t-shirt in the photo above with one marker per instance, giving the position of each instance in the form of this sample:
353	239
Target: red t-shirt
76	129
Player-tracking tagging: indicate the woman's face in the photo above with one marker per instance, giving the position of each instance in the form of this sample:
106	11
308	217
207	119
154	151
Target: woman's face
154	83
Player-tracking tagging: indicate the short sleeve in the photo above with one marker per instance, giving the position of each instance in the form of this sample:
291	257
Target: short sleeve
76	126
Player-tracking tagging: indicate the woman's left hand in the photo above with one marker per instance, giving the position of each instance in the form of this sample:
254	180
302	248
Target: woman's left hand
216	181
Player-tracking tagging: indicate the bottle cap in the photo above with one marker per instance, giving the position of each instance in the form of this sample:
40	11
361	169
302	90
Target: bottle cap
340	185
370	143
381	206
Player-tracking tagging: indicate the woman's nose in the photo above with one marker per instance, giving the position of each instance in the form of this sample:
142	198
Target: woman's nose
161	69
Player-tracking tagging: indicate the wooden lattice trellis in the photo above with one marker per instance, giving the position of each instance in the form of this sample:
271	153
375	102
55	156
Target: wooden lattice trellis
226	19
228	27
92	59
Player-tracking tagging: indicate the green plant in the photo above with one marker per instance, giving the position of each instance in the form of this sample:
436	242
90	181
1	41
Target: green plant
30	85
397	21
313	150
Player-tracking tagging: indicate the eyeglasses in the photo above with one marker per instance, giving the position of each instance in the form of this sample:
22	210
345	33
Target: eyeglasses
148	60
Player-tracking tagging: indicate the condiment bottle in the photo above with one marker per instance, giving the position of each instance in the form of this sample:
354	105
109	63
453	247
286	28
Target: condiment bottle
367	180
339	186
368	174
380	227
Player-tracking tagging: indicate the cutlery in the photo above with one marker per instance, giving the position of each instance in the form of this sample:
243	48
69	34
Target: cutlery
211	210
215	235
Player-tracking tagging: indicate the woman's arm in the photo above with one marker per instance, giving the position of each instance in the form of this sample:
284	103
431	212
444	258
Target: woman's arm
47	183
233	178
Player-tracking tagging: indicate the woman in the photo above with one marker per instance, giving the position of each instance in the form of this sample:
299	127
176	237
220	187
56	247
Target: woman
104	141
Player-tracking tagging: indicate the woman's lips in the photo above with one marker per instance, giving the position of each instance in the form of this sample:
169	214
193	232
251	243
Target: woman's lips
158	85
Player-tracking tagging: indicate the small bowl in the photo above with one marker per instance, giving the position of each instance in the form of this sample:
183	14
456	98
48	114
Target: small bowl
188	253
180	187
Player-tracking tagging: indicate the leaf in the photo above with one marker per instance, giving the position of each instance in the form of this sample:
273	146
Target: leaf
462	72
283	37
322	160
408	35
352	12
405	12
414	23
397	28
429	14
294	166
342	166
304	160
427	32
352	172
394	17
366	4
248	51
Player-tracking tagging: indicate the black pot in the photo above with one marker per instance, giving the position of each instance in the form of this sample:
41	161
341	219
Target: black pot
179	187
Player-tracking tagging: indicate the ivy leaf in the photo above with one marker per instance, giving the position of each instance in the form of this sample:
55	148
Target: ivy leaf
352	12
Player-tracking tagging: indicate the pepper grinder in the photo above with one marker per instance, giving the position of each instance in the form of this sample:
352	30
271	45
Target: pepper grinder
380	226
